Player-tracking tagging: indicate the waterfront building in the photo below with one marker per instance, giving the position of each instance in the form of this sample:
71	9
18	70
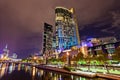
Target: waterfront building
107	44
97	45
94	41
105	40
66	33
48	38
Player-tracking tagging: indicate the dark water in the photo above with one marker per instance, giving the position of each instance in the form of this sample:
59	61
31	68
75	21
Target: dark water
22	72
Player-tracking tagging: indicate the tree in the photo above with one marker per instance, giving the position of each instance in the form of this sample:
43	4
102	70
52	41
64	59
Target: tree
77	57
63	58
103	57
88	60
116	54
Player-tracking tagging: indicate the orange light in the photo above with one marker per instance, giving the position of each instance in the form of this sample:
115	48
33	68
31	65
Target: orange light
35	57
67	53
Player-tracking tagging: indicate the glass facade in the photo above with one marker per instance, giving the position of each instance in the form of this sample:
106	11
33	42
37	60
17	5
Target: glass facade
48	38
66	29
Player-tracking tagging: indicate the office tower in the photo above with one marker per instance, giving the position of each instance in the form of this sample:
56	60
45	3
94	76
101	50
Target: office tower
5	53
67	34
48	38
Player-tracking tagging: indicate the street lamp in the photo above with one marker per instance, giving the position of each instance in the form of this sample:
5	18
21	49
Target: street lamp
67	54
68	59
34	57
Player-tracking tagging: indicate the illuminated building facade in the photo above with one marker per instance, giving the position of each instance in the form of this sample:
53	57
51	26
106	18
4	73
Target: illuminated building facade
108	44
67	34
96	45
94	41
5	52
105	40
48	38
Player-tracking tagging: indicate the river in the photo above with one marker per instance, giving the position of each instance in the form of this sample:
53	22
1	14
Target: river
10	71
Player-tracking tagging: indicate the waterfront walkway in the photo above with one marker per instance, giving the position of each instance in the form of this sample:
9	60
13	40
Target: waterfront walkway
56	69
80	73
77	72
109	76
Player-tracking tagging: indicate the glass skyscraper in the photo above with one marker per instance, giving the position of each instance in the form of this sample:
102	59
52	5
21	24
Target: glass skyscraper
67	34
48	38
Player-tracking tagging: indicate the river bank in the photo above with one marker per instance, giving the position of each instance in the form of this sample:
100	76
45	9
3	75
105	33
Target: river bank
79	73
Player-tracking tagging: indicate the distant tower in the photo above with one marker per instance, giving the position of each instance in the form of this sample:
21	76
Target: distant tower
67	34
48	38
6	51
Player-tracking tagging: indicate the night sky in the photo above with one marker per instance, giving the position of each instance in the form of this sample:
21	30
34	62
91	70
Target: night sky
22	21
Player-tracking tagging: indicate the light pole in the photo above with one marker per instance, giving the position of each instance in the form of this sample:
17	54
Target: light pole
68	59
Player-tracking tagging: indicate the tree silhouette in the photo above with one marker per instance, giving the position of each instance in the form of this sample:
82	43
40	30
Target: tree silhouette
116	54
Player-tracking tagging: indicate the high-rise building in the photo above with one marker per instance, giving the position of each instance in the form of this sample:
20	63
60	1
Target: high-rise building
5	52
48	38
67	34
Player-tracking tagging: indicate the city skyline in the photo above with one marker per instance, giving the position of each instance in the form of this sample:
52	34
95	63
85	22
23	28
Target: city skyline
21	22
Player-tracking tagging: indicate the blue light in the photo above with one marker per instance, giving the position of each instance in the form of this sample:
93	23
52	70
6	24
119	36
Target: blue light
88	44
84	44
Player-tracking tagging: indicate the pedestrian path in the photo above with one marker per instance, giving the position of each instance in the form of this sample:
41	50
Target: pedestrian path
109	76
80	73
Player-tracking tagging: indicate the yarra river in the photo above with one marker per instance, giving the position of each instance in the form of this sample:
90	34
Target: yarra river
10	71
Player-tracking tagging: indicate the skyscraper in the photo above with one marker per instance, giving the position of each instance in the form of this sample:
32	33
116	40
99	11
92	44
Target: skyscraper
48	38
5	52
67	34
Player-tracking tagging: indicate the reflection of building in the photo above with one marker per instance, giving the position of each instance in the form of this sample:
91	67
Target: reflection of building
48	38
66	29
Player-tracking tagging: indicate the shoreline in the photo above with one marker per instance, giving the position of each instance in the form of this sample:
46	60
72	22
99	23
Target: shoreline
55	69
79	73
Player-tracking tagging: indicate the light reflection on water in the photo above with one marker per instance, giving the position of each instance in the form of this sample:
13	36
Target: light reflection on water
2	71
11	68
21	72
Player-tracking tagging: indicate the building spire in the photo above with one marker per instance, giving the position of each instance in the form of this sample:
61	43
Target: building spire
6	46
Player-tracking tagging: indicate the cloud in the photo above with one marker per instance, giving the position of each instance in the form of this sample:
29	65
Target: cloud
20	19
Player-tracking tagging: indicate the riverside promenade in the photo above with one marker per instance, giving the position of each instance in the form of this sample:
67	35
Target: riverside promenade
109	76
56	69
79	73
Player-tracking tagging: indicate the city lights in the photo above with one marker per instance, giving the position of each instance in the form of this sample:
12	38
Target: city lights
79	40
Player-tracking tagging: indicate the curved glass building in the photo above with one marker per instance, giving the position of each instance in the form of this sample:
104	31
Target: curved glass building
67	34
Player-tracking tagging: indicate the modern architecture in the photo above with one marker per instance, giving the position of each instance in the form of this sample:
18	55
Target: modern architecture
47	39
67	34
